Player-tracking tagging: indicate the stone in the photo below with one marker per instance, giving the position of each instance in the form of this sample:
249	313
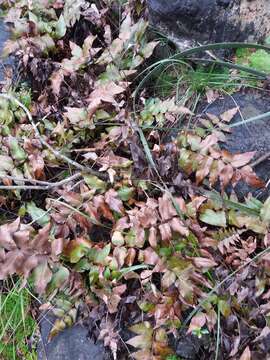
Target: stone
189	346
4	36
253	136
70	344
190	22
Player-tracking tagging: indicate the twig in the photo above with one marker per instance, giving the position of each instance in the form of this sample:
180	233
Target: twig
56	153
18	179
45	186
22	187
260	159
218	334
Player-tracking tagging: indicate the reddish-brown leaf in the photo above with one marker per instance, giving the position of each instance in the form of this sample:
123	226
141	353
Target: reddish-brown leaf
7	232
225	175
168	279
246	355
56	80
147	217
197	322
203	262
120	254
228	115
149	256
178	226
165	232
237	160
166	208
204	169
112	199
113	161
214	172
208	142
153	237
37	164
250	177
131	254
105	93
57	246
42	276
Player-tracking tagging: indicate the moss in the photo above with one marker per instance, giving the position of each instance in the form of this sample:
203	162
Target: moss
16	326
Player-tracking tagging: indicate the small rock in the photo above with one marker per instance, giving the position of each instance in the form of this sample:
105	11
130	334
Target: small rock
70	344
4	36
199	21
253	136
188	347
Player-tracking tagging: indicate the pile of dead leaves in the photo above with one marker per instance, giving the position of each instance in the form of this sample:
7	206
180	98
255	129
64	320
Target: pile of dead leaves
96	208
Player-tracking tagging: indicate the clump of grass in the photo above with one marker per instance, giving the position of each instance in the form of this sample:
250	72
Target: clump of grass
181	79
177	71
16	324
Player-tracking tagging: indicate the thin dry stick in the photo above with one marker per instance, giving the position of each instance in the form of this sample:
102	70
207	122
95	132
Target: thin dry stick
45	186
22	187
260	159
56	153
23	180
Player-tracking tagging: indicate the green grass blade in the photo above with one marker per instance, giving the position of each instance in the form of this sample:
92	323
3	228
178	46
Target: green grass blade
263	116
221	46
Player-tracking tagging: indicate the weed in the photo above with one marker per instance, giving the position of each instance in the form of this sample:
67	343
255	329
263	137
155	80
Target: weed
259	60
200	332
173	357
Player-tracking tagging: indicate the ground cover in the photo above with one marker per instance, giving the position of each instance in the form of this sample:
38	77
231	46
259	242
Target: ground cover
113	189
